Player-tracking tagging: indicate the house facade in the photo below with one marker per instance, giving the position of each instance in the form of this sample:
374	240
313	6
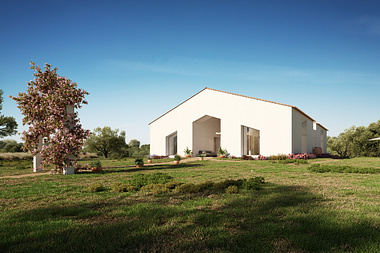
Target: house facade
243	125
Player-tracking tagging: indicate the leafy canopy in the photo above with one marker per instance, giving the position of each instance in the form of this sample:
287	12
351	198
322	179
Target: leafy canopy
106	141
8	125
44	106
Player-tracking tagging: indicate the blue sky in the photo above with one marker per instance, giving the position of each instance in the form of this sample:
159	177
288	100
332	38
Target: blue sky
138	59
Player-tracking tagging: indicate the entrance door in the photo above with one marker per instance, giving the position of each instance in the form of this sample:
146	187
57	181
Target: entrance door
250	141
171	144
216	144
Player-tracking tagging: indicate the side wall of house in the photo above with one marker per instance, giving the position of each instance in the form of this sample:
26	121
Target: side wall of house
306	134
274	122
320	139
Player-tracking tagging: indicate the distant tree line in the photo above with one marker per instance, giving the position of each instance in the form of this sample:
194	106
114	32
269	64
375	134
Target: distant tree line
10	146
354	142
111	144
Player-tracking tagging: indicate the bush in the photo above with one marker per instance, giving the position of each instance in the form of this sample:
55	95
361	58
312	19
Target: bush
95	188
232	189
140	180
225	184
119	187
251	185
188	188
155	188
139	161
277	157
95	164
173	184
206	185
341	169
247	157
295	161
301	156
159	156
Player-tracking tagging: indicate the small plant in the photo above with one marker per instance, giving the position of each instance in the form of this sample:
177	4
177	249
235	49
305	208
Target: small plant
177	158
188	188
232	189
139	161
95	164
119	187
173	184
95	188
187	151
207	185
222	152
140	180
155	188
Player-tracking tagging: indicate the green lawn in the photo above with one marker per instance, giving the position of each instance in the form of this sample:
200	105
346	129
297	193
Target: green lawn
296	211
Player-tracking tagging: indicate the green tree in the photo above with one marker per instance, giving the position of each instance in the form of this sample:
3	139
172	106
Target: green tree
106	141
342	144
8	125
134	143
354	141
11	146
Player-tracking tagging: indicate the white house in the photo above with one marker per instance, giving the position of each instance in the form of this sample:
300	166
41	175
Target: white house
243	125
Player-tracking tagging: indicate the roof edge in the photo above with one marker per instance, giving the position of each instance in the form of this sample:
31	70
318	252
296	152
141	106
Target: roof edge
177	106
226	92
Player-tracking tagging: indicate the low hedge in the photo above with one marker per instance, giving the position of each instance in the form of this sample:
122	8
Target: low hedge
229	186
322	168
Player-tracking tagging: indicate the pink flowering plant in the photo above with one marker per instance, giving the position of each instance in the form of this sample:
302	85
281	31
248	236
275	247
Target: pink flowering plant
44	107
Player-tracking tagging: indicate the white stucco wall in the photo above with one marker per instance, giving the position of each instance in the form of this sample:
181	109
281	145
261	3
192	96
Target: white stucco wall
273	120
314	132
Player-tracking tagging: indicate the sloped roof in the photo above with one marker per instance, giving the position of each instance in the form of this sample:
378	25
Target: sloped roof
267	101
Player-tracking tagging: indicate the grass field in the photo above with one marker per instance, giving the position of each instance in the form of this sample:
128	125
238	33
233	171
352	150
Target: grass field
295	211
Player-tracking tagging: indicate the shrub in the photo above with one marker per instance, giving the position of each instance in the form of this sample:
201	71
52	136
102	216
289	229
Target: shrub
177	158
173	184
277	157
226	183
95	164
295	161
251	185
300	161
206	185
95	188
155	188
119	187
232	189
261	157
301	156
247	157
140	180
139	161
342	169
160	156
188	188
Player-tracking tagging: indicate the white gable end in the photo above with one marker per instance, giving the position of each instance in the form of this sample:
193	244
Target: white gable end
213	118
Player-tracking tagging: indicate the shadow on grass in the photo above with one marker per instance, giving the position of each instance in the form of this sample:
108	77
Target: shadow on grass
275	219
145	168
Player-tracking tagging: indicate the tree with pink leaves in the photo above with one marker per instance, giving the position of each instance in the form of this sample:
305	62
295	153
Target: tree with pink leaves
45	108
